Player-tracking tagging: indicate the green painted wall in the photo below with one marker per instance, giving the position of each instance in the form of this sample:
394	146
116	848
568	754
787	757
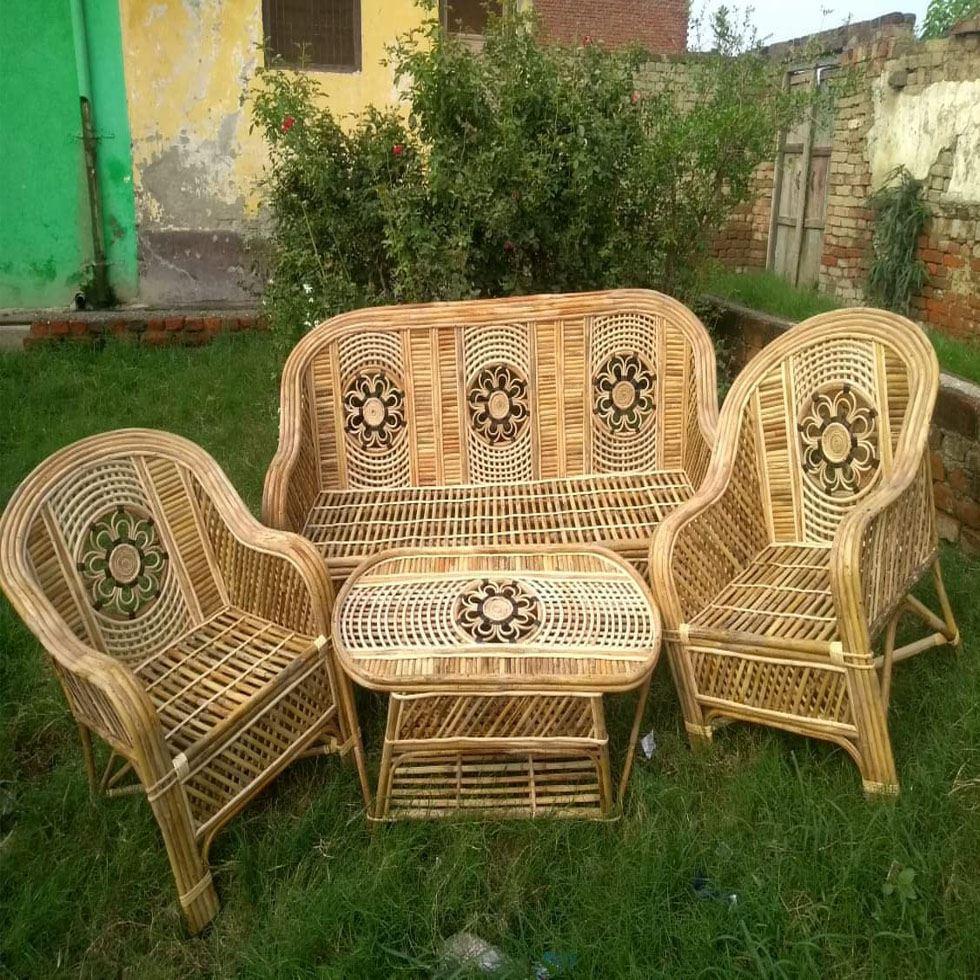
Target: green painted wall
115	155
45	235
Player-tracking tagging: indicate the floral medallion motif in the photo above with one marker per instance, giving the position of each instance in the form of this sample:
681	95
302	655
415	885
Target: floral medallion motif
374	411
623	393
839	440
122	563
498	612
498	404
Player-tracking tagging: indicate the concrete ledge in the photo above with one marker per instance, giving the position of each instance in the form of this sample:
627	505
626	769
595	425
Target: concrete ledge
13	335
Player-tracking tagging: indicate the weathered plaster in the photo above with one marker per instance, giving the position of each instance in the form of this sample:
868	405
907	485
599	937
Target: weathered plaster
196	165
187	64
912	128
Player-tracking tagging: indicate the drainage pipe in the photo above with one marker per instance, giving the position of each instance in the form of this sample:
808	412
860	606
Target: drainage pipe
101	293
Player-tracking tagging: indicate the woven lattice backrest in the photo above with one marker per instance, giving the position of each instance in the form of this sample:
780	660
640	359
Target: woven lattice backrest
834	405
499	391
109	532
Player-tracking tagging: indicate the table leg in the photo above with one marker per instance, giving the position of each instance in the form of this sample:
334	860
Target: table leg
641	703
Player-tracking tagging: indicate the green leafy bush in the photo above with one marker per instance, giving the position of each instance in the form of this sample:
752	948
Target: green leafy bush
943	15
897	273
529	167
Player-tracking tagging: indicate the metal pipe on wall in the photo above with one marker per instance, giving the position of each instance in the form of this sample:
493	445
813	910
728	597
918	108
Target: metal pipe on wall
101	294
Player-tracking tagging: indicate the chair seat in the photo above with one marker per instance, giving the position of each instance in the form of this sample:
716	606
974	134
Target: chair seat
198	681
620	511
784	592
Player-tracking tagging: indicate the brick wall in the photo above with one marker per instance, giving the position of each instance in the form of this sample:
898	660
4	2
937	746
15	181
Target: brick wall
742	243
153	328
949	246
657	25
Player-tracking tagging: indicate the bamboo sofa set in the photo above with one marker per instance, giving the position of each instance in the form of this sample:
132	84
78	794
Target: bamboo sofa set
493	511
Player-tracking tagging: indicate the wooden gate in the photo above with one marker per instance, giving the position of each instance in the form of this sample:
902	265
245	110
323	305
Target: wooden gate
799	196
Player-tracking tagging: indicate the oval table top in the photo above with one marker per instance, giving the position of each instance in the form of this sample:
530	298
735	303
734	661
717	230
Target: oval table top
559	617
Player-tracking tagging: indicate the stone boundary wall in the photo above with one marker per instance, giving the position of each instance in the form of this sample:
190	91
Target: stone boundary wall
954	437
151	328
894	77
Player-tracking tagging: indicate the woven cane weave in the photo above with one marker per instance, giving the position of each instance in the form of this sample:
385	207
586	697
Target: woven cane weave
792	563
534	420
183	633
549	618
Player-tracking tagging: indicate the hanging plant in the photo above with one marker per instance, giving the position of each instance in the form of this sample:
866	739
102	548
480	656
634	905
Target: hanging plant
897	273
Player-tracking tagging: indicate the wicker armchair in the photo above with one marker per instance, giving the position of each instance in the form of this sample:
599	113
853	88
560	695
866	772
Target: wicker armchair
799	550
183	633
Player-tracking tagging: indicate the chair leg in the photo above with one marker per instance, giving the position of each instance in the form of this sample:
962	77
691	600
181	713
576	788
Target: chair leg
195	889
87	754
699	731
352	731
950	620
874	743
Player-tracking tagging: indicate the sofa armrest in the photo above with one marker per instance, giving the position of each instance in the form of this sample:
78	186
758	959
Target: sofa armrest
292	480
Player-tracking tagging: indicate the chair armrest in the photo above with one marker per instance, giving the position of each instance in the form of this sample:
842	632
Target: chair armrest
706	542
880	550
103	694
276	575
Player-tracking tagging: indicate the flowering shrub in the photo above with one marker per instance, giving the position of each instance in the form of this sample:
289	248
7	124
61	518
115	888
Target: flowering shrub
527	168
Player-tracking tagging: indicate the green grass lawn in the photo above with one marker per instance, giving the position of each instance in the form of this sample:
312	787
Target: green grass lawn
768	292
827	883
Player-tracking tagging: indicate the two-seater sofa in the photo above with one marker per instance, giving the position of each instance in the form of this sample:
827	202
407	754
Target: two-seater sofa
581	418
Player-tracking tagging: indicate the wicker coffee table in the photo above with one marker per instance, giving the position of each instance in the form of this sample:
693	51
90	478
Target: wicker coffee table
496	661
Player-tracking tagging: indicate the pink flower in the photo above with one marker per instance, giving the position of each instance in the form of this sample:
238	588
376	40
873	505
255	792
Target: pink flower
398	149
287	124
635	97
508	246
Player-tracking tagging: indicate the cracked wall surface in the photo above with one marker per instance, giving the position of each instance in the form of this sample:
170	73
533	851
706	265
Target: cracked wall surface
912	128
195	163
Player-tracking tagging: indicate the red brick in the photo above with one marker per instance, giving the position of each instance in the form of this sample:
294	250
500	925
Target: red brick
938	468
193	324
953	262
658	27
77	328
945	501
212	324
959	479
174	323
40	329
58	328
968	511
157	338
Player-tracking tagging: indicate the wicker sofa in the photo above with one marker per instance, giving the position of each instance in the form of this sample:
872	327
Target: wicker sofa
582	418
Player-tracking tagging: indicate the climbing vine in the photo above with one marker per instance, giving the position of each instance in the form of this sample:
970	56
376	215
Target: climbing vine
897	273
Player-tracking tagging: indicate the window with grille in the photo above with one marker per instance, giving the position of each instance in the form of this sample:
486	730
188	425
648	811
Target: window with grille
468	16
323	34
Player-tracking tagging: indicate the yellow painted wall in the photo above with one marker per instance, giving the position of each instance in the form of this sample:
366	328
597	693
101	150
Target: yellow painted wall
186	61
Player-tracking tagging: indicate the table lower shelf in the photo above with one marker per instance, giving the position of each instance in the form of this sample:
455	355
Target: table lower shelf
496	785
495	754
